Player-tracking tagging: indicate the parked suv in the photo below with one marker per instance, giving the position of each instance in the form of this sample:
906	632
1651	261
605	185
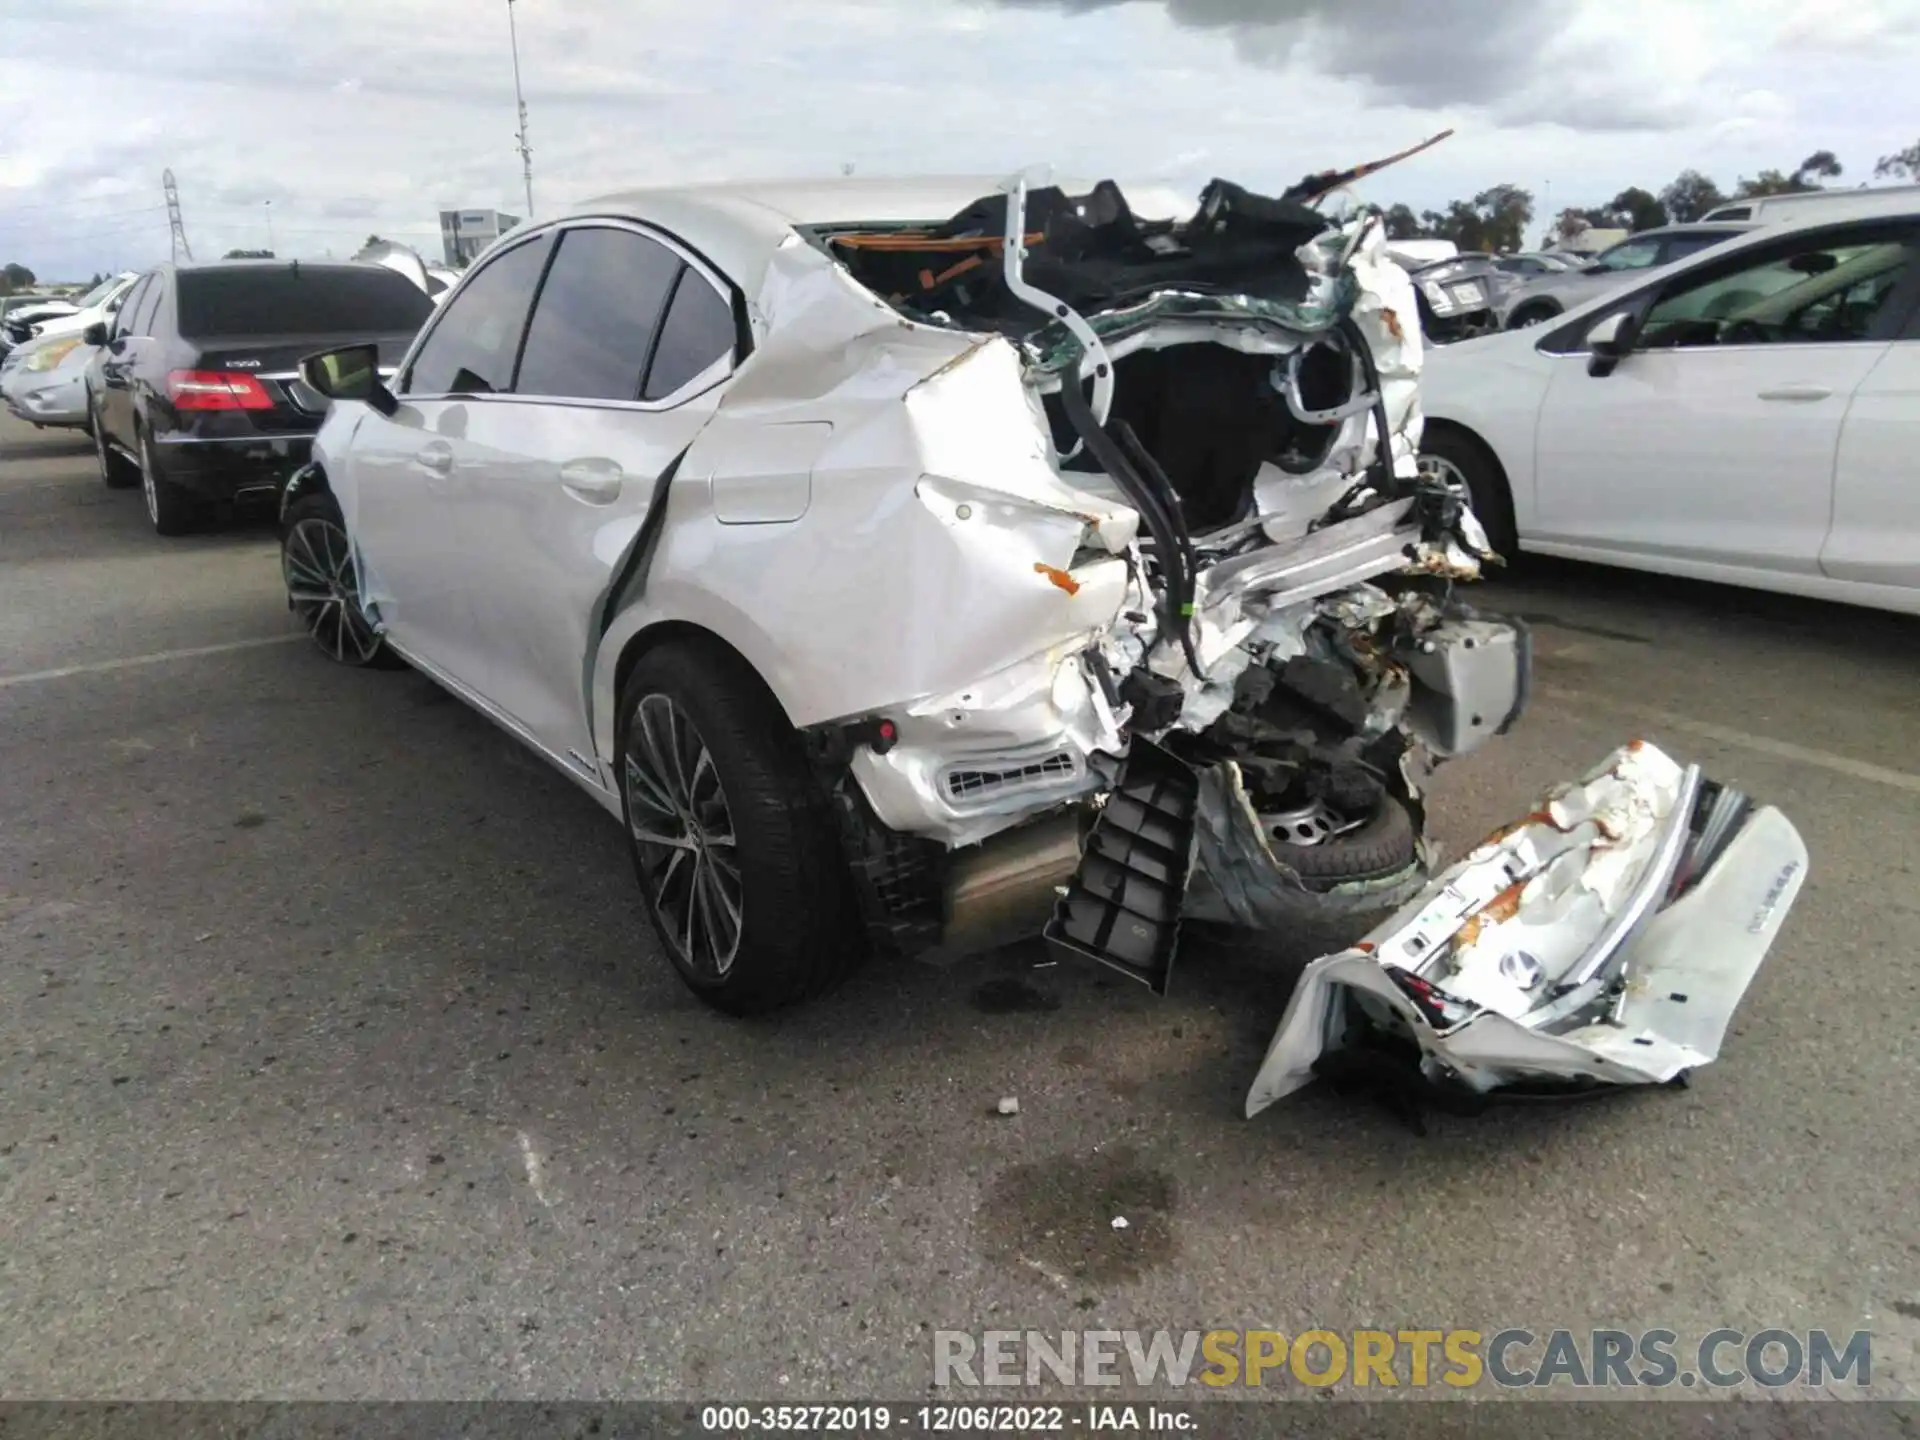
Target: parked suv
195	393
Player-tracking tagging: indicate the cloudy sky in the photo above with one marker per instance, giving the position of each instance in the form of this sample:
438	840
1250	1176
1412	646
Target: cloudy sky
339	117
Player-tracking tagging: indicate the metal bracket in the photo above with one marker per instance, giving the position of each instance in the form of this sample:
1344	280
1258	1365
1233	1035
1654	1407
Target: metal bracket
1287	382
1013	255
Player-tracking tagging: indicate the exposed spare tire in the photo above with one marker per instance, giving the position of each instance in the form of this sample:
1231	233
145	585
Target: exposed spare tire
1347	833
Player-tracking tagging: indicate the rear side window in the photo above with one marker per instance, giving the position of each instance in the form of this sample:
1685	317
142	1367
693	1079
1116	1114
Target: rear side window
128	316
1681	246
599	308
299	300
699	331
149	306
471	350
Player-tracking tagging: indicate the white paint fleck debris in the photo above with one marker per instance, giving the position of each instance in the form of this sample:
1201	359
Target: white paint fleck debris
536	1169
1009	1105
1047	1270
1119	1222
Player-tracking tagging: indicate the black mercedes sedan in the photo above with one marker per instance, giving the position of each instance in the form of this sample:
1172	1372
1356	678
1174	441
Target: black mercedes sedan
195	392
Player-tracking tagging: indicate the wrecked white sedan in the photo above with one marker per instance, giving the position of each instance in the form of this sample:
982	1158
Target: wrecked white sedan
913	567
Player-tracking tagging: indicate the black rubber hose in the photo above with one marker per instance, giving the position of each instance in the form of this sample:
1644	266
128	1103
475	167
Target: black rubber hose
1189	582
1160	524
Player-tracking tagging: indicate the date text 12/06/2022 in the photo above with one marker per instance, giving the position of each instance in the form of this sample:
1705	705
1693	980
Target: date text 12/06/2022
947	1419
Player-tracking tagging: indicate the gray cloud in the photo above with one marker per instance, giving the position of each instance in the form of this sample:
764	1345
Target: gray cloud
1507	56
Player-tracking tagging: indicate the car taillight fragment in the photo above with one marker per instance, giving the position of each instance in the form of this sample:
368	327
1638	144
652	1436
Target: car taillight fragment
216	390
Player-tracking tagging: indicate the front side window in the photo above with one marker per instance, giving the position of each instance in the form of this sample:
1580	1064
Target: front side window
594	325
471	350
1629	255
1821	290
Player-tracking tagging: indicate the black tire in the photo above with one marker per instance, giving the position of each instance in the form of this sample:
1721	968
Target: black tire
777	885
171	509
323	585
1468	459
1384	846
1536	313
115	472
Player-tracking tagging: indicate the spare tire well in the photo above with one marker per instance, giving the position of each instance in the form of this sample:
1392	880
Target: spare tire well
1211	417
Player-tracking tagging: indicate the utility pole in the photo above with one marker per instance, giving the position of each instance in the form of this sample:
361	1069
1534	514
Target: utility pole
526	151
269	205
178	237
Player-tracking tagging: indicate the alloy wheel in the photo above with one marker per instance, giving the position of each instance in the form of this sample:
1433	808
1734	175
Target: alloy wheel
1314	823
683	829
324	588
1440	468
148	488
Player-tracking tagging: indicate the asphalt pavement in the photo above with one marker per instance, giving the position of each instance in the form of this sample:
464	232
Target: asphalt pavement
337	1060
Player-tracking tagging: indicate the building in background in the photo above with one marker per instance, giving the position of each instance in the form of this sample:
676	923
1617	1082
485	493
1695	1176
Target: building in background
465	233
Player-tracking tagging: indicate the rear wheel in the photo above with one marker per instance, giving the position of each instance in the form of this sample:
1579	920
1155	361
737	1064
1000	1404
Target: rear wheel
734	845
1528	316
170	508
323	584
1462	460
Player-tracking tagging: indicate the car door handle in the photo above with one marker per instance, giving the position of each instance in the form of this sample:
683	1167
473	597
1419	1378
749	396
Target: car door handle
1797	392
594	481
436	459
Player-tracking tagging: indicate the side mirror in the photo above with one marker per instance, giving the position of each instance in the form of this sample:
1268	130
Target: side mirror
95	334
1607	344
349	373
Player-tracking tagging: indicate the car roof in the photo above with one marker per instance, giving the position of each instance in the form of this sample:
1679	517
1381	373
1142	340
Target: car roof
205	267
1696	227
738	225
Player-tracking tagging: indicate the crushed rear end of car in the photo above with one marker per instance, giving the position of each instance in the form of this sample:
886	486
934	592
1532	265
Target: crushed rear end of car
1176	624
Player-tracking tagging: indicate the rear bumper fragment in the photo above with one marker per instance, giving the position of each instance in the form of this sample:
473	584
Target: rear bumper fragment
1604	940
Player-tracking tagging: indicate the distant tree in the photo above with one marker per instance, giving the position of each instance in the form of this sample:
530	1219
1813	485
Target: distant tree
1637	210
18	276
1504	212
373	240
1568	225
1402	223
1820	166
1817	167
1690	196
248	255
1901	165
99	277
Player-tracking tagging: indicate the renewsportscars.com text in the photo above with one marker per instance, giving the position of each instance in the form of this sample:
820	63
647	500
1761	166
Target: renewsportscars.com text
1380	1359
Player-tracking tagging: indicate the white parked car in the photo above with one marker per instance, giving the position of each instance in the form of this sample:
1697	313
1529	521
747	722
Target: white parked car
1748	416
45	381
783	521
68	317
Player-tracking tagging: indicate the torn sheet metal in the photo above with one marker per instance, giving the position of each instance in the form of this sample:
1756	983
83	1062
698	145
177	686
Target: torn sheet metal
1606	939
